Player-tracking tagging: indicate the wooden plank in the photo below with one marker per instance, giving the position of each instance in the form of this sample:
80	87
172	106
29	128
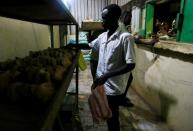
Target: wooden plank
58	99
51	12
88	25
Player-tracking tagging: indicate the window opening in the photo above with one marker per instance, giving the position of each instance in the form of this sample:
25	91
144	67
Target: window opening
165	19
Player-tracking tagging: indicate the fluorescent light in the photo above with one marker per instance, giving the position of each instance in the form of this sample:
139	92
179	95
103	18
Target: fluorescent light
67	3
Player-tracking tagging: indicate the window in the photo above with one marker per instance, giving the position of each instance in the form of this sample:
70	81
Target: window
161	18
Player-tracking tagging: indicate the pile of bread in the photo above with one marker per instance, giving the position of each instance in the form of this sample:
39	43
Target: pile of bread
36	76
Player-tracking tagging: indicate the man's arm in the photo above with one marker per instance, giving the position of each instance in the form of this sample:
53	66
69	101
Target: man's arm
152	42
93	44
122	70
80	46
138	40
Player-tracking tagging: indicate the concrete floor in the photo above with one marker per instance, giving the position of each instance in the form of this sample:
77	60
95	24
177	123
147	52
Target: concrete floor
137	118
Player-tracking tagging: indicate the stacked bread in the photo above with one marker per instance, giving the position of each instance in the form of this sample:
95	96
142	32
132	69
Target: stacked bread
36	76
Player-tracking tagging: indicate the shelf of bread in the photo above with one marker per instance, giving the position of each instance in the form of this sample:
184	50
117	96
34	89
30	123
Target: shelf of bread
32	88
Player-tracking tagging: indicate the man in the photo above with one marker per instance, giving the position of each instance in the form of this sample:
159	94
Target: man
124	23
116	60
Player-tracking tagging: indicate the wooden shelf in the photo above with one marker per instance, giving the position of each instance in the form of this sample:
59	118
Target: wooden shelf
52	12
58	98
91	25
23	117
20	117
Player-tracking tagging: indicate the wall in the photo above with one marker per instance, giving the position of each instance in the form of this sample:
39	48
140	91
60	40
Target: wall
17	38
119	2
123	2
166	84
136	19
86	9
90	9
187	28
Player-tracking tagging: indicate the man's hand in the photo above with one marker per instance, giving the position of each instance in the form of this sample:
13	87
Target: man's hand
153	41
101	80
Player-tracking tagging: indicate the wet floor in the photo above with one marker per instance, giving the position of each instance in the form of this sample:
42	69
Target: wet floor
137	118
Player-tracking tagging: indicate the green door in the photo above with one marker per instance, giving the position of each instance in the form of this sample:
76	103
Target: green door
186	34
149	19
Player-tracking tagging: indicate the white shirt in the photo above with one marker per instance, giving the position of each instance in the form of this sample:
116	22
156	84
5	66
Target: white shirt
95	50
115	52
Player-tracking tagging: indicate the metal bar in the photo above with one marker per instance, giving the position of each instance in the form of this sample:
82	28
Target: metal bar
52	36
77	70
60	124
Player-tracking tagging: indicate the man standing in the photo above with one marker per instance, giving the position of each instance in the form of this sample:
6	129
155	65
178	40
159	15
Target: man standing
116	60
